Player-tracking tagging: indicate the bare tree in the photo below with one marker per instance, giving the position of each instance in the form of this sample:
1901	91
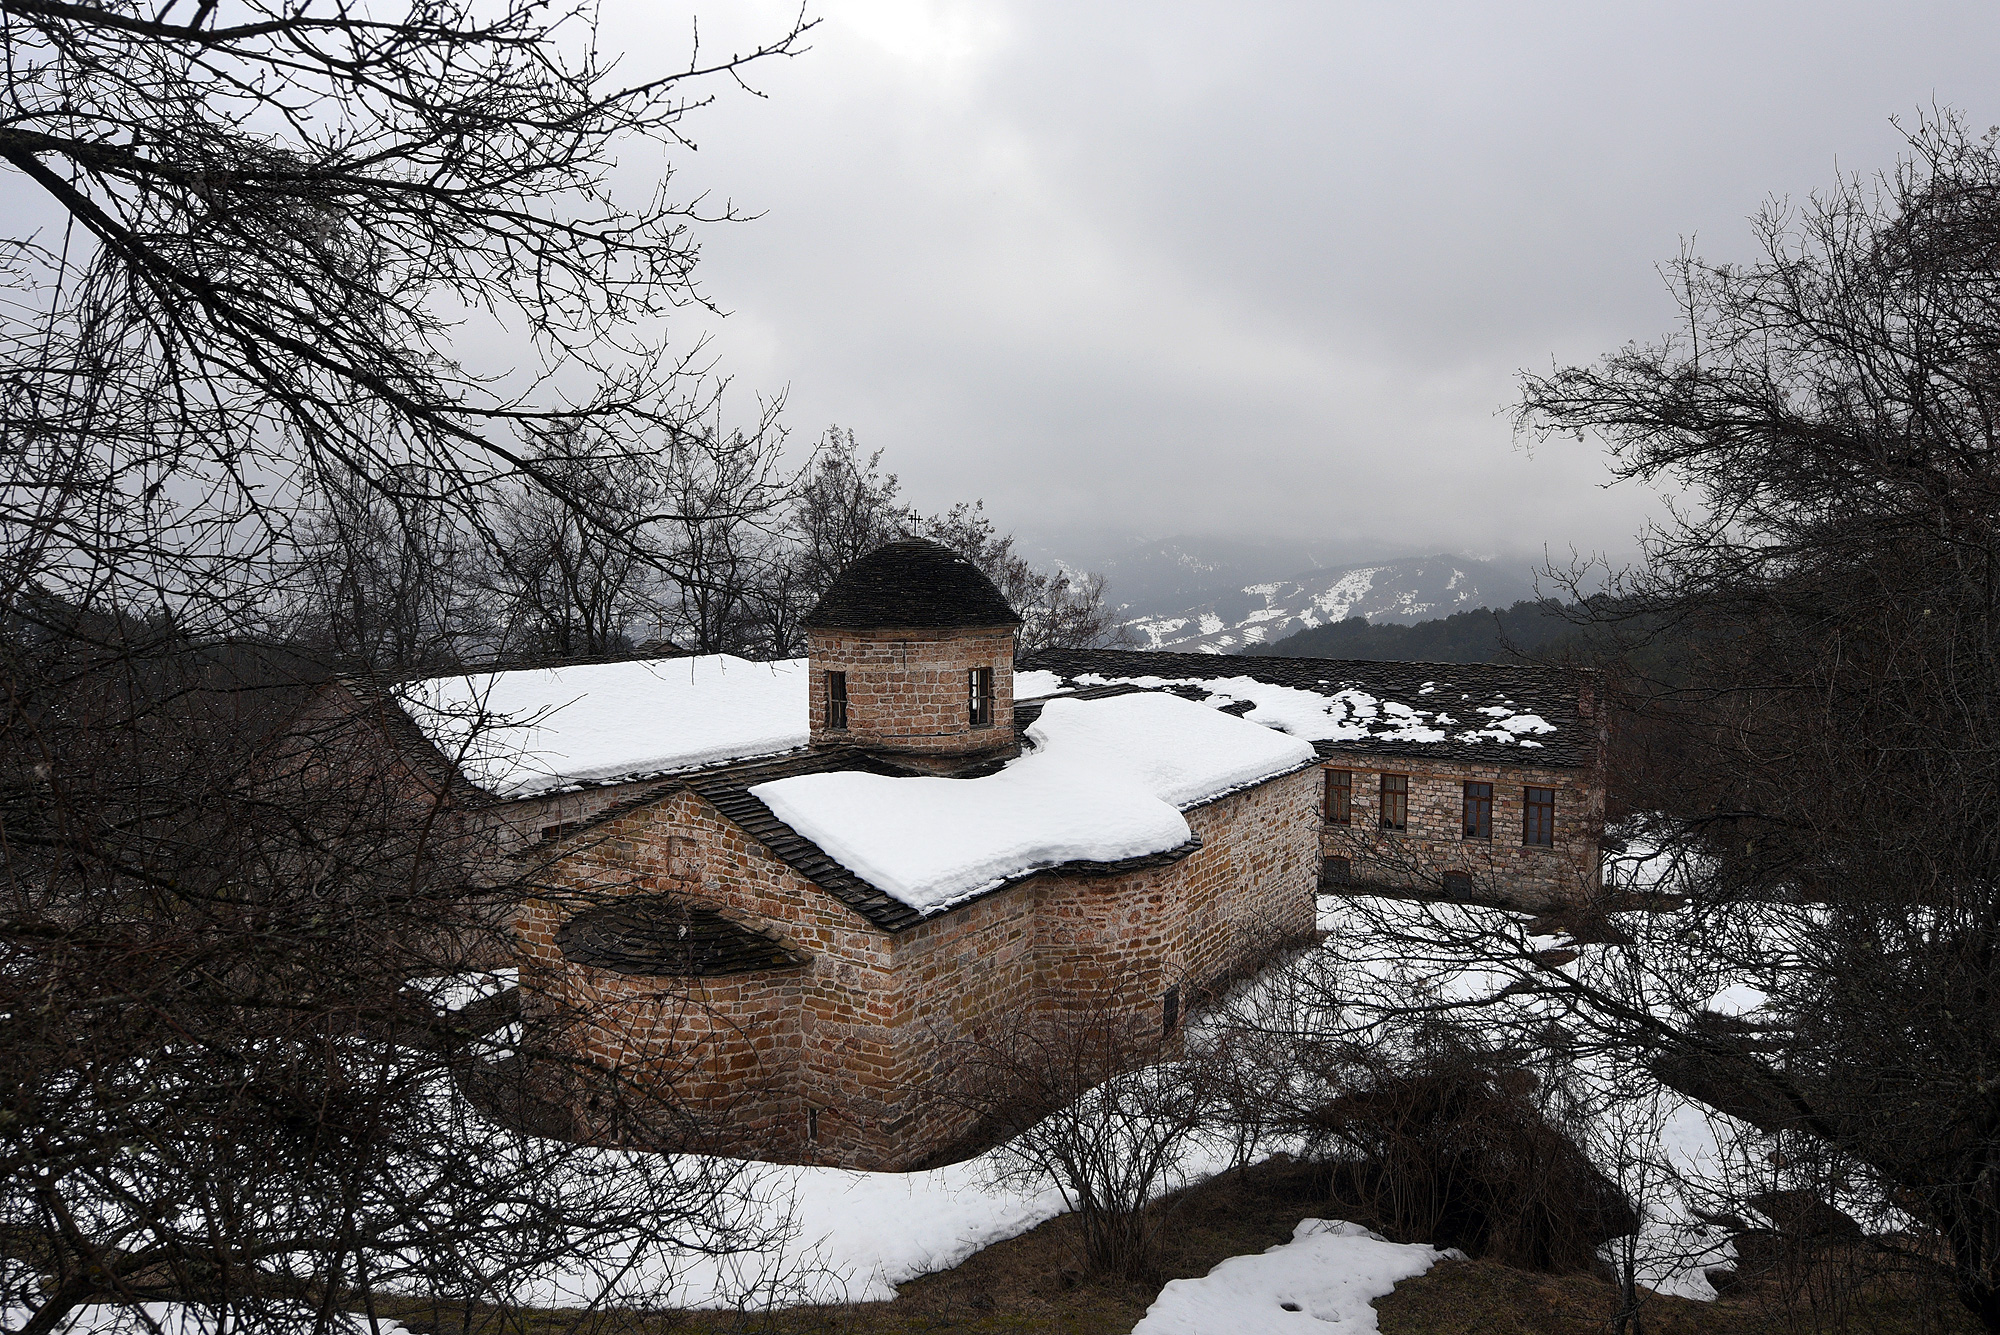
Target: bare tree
1058	610
234	344
1099	1105
390	579
724	495
236	1075
1834	816
576	568
260	217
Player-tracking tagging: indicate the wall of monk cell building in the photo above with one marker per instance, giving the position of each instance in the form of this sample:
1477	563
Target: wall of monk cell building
846	1059
1433	853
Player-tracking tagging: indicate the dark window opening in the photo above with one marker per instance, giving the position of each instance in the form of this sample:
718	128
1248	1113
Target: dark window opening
812	1124
979	682
1340	797
1538	817
1335	871
1478	811
1458	883
1170	1009
836	700
1395	801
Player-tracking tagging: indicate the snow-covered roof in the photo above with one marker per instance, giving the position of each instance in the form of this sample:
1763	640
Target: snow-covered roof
1490	713
539	730
1102	780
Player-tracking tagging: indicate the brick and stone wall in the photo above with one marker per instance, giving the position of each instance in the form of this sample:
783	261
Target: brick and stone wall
842	1060
907	690
1502	869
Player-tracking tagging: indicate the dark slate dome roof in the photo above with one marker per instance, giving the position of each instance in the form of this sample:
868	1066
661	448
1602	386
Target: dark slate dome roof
913	583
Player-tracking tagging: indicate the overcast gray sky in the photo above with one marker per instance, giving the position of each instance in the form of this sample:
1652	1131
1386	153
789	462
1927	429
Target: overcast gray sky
1265	270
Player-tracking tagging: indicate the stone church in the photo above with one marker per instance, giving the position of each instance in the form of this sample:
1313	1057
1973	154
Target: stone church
790	889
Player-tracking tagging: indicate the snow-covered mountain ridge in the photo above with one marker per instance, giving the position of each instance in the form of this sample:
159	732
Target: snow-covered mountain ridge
1417	589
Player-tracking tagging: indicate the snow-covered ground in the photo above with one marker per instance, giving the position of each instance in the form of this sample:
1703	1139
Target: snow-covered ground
187	1319
841	1235
1331	1272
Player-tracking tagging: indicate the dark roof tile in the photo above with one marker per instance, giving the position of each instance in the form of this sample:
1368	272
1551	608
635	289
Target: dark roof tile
1562	696
915	584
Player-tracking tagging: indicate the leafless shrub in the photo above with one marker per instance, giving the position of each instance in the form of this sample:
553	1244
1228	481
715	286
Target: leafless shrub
1098	1105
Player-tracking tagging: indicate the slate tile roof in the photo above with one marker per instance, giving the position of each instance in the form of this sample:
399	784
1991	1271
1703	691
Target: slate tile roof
726	788
915	584
661	936
1562	696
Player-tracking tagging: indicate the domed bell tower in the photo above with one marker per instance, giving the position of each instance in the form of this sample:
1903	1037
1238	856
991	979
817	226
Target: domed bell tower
912	652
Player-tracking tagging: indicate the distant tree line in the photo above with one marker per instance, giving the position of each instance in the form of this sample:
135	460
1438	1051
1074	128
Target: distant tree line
702	542
1601	630
1483	635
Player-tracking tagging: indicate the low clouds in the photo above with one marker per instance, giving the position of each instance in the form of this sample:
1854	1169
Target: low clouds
1270	269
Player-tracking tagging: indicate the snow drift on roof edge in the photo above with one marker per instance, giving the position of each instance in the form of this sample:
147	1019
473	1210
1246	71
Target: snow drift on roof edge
1105	780
535	730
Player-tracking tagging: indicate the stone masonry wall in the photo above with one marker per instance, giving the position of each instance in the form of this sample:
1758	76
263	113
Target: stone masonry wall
842	1061
907	690
1502	869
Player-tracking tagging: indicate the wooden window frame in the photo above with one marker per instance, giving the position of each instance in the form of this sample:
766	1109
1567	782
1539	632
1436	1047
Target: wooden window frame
1478	822
1340	797
979	692
1397	800
1538	818
836	701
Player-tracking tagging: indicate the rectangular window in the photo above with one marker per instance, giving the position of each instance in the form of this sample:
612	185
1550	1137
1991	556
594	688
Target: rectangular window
1538	817
1395	801
1170	1010
1478	811
1335	871
979	683
1340	797
1458	883
836	700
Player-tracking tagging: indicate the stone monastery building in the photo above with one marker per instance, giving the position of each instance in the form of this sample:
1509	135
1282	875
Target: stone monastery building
790	888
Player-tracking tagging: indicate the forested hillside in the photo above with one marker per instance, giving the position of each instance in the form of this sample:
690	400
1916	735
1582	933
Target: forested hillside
1480	636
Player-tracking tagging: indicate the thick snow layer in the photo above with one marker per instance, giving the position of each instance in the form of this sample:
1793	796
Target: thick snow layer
1330	1272
1346	714
1032	685
1104	780
517	734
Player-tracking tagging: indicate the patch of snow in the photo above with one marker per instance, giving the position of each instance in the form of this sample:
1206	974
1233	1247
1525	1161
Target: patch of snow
456	991
1736	999
1348	590
1032	685
1331	1271
194	1319
536	730
1106	779
1210	623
